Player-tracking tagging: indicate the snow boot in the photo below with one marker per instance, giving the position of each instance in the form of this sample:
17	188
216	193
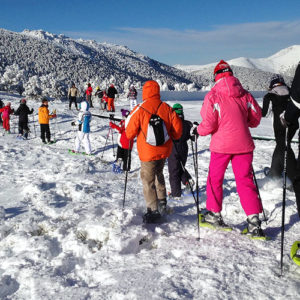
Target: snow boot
171	197
214	219
151	216
254	227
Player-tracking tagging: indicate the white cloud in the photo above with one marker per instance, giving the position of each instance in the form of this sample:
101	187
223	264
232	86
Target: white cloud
196	46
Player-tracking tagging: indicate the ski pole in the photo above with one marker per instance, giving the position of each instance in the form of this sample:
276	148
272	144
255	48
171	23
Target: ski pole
283	201
34	125
259	197
126	174
105	143
197	185
112	140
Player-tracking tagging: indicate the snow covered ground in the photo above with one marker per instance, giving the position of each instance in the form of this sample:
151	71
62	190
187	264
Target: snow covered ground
63	234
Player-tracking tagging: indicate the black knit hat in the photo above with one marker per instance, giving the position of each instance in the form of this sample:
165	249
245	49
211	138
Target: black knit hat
276	80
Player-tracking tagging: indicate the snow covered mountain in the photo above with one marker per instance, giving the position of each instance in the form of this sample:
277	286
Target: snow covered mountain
254	74
283	62
45	63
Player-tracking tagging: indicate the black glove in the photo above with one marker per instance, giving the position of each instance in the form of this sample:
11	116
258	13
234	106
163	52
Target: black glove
73	124
193	131
32	110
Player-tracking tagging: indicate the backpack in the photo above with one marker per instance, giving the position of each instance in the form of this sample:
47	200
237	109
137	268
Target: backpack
157	133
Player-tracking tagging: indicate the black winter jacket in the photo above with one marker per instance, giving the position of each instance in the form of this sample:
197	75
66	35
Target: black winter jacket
23	111
180	147
111	92
279	97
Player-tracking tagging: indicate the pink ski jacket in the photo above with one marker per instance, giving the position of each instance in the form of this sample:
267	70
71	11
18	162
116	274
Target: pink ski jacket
227	113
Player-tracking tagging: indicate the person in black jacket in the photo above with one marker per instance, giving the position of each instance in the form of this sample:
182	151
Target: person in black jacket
177	160
111	93
23	111
278	95
290	119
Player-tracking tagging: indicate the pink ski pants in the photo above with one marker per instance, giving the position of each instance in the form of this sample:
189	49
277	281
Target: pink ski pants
242	169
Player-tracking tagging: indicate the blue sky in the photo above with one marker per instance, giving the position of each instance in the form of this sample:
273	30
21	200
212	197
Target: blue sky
183	32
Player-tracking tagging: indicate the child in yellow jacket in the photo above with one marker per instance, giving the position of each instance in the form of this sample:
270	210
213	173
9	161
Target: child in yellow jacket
44	117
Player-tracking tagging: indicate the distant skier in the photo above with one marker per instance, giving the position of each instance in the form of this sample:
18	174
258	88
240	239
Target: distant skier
99	95
227	112
177	160
279	96
132	95
73	94
124	144
44	118
23	111
111	94
104	101
89	93
1	106
6	112
83	122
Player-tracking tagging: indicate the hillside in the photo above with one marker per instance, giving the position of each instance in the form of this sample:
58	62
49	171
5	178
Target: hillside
46	63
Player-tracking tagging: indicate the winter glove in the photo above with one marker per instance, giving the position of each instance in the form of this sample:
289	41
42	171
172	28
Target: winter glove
283	121
53	116
73	124
111	124
193	131
32	110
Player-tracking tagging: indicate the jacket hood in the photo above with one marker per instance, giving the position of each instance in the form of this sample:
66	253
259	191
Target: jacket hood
229	86
281	90
84	106
151	89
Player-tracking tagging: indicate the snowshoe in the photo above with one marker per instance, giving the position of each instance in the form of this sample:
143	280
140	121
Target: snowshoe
213	220
152	216
117	167
253	230
295	253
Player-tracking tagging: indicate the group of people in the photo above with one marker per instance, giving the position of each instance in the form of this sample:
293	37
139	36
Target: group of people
162	133
106	97
227	113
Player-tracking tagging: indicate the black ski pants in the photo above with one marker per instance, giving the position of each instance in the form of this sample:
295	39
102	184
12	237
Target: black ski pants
71	100
278	154
177	174
125	155
23	127
45	131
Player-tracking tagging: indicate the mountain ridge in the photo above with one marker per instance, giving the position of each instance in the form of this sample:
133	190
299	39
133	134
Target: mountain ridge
282	62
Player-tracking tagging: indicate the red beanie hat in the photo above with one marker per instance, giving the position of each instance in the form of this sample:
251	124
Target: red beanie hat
222	67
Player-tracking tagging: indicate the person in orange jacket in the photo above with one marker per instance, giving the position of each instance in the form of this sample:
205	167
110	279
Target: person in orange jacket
44	117
153	157
6	112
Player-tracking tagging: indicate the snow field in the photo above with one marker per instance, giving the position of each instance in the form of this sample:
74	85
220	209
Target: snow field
63	233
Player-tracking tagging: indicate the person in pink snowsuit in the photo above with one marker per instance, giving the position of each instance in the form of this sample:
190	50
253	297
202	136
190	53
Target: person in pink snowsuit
227	113
6	112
